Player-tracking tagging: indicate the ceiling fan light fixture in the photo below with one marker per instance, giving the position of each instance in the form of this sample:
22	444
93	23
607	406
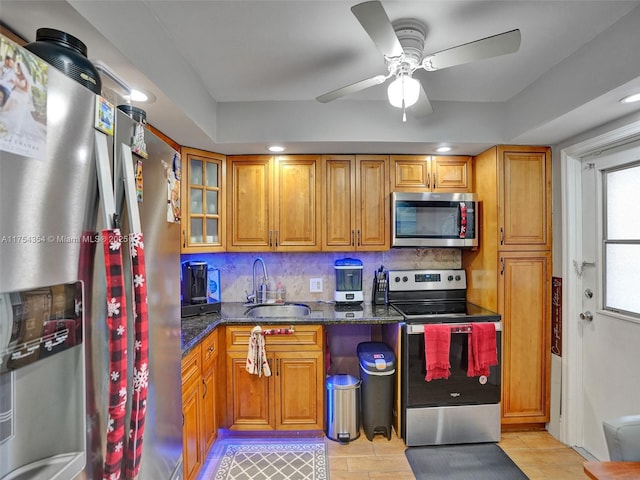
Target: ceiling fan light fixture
404	88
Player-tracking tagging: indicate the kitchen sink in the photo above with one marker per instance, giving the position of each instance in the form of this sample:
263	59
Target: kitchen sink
278	310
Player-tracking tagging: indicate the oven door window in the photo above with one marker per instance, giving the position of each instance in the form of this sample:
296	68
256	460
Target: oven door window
458	389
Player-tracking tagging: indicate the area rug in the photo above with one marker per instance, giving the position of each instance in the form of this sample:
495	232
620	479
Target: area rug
480	461
274	461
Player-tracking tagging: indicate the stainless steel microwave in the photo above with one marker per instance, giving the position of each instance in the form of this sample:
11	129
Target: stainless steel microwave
434	219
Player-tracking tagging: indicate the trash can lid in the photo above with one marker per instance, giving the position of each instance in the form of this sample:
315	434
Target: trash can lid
342	382
376	357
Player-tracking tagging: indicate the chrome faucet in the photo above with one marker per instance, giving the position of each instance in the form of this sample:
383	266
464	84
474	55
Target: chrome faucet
259	293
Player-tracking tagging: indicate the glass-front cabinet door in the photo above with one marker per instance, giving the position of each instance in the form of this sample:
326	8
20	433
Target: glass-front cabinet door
203	201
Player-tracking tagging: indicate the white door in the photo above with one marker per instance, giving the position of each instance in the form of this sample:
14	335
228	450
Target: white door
609	271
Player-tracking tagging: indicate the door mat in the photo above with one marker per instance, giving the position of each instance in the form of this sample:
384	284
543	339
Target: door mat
273	461
479	461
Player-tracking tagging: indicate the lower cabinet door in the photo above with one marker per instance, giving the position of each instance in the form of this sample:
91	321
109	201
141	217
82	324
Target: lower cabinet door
523	297
209	407
250	397
191	441
299	396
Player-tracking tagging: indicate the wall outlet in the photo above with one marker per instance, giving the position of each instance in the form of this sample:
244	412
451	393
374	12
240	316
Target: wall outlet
315	285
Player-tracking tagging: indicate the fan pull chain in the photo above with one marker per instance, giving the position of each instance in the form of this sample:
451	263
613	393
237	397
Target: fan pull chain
404	111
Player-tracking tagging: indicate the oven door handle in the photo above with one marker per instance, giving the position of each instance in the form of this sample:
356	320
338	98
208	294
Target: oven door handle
418	329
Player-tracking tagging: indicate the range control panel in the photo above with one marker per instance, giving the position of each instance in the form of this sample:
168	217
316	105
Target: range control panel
411	280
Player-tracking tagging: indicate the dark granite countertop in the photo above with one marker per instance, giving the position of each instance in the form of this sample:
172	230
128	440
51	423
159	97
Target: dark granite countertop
194	329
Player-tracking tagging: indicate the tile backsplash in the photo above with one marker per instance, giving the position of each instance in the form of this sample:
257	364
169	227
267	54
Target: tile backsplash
294	270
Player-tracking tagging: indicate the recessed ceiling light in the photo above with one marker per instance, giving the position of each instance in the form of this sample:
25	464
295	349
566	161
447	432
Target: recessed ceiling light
141	96
443	149
138	96
631	98
276	148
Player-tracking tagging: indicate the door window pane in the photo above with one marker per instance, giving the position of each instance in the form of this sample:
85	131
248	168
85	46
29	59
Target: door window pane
212	230
623	204
622	239
196	230
212	202
622	277
196	172
212	174
196	200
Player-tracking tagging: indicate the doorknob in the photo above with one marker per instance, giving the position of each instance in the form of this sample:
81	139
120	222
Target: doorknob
588	316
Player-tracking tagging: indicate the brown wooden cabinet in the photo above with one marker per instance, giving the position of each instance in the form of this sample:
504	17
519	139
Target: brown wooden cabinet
292	397
431	173
355	203
510	272
191	413
523	300
524	205
274	203
199	403
203	201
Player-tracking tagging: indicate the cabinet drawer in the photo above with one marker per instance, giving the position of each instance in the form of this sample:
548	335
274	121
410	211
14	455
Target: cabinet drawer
209	350
305	337
191	367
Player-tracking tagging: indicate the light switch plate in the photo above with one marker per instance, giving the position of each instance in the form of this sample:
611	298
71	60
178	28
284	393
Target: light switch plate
315	285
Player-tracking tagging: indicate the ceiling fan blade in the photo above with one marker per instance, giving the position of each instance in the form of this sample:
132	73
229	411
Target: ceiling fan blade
376	23
501	44
353	88
422	107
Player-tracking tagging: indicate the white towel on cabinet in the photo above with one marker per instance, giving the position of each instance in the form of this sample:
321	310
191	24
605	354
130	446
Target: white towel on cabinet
257	356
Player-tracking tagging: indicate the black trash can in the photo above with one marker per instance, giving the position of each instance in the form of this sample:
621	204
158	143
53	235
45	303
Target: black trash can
377	374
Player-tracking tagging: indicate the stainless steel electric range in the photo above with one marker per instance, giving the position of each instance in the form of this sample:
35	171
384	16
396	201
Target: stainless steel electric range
459	409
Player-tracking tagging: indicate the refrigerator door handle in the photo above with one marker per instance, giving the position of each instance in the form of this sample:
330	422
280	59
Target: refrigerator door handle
104	180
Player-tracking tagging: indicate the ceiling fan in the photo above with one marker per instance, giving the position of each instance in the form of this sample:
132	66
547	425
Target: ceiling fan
402	44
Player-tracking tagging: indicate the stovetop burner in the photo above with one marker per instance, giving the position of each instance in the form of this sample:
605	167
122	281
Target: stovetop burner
434	296
427	312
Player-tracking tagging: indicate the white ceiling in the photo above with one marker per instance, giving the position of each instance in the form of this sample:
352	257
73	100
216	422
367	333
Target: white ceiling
234	76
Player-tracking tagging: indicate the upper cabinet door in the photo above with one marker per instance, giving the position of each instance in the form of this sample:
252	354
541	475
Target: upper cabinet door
202	221
410	173
296	203
524	198
451	174
338	203
426	173
373	230
249	224
274	203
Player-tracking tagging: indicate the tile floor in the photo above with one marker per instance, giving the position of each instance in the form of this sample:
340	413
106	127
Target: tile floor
538	454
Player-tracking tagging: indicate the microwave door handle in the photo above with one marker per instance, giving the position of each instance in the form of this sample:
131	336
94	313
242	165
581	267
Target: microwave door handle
463	219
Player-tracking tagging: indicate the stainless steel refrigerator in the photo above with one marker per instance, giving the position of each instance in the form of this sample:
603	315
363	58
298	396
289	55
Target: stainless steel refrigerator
53	335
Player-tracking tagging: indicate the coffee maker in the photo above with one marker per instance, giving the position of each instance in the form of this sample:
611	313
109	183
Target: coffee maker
348	281
196	298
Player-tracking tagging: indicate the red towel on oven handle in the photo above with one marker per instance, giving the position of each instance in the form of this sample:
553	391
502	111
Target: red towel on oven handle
483	352
437	342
